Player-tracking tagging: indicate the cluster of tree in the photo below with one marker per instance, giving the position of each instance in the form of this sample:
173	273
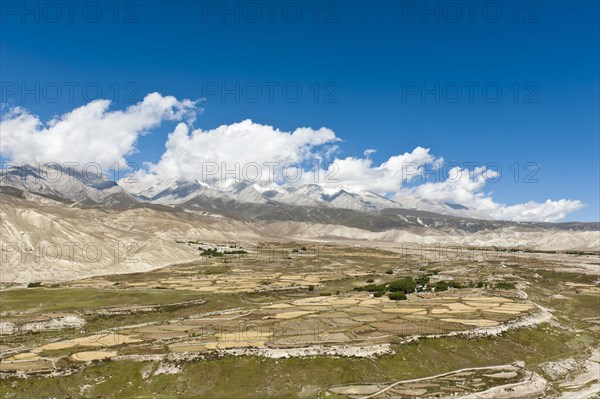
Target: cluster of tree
397	296
406	285
34	285
235	252
580	253
210	252
441	286
422	281
398	289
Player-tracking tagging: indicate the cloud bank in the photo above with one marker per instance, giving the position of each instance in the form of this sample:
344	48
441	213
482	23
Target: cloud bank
94	133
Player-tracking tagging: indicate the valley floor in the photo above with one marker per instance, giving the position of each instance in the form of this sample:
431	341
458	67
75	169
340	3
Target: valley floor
285	320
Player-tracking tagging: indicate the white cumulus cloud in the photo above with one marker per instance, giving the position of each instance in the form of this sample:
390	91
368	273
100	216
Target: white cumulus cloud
91	133
244	150
386	178
465	187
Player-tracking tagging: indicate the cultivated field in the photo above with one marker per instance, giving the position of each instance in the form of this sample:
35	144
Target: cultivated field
310	320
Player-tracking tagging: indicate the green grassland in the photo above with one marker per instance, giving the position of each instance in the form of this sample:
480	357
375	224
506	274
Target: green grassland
41	300
254	377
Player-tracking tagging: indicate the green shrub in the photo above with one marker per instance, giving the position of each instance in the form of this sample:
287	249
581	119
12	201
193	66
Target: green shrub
311	287
441	286
34	285
370	280
406	285
373	287
423	280
389	271
397	296
378	294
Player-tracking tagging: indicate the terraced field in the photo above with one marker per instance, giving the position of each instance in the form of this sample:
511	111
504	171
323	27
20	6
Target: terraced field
328	312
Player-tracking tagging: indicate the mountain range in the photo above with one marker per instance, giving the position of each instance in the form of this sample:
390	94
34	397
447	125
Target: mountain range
94	188
58	207
260	201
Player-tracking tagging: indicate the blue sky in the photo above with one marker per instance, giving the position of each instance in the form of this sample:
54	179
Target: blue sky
361	68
